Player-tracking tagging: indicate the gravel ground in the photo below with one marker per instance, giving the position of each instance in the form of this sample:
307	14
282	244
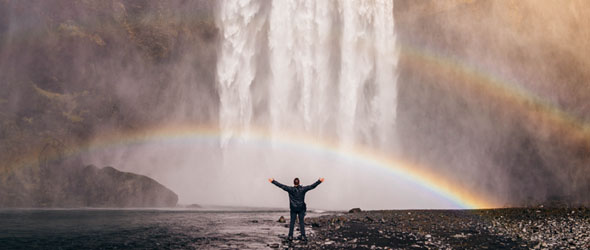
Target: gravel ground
513	228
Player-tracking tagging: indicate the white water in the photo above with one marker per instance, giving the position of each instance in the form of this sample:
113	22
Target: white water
326	68
236	69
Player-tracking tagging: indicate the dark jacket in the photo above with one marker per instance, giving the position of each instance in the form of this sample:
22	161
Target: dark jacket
297	195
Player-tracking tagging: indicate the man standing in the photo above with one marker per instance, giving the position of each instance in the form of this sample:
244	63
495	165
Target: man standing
297	203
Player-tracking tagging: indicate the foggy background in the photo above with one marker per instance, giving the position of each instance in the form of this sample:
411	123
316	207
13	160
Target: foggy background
71	71
521	150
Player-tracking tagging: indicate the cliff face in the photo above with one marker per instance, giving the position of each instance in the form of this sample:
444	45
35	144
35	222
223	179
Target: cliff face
494	94
72	69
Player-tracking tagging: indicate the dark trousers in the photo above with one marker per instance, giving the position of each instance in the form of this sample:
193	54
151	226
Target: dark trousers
301	215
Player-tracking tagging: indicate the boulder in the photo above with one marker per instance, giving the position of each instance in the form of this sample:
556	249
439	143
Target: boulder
194	206
355	210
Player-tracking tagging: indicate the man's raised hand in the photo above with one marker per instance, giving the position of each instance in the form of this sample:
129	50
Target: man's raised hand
270	180
321	179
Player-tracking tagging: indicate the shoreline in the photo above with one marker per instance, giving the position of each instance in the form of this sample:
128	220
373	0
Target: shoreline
513	228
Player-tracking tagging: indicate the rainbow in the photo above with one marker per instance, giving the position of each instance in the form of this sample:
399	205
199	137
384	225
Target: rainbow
458	75
467	79
436	184
544	116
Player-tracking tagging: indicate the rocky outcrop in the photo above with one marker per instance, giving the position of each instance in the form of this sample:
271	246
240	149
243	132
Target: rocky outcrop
90	186
110	187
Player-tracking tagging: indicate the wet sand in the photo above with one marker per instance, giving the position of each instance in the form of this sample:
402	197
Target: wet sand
515	228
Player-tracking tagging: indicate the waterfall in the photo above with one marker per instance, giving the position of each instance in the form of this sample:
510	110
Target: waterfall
328	68
236	66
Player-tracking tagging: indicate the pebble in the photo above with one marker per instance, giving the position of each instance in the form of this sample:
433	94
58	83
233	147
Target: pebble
535	228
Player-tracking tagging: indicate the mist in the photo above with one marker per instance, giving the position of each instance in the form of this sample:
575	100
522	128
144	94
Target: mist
506	113
407	79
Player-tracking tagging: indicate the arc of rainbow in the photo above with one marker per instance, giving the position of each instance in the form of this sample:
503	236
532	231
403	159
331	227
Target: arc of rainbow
482	82
545	116
363	155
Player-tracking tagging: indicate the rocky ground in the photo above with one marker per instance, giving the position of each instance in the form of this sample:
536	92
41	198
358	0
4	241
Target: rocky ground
514	228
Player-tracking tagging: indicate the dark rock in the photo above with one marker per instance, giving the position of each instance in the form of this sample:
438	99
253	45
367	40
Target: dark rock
315	224
281	220
355	210
65	184
110	187
193	206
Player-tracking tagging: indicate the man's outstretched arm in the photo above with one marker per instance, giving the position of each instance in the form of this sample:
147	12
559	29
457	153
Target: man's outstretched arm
278	184
315	184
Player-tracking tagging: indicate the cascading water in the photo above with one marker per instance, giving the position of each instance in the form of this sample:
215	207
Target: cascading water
323	69
328	68
236	69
